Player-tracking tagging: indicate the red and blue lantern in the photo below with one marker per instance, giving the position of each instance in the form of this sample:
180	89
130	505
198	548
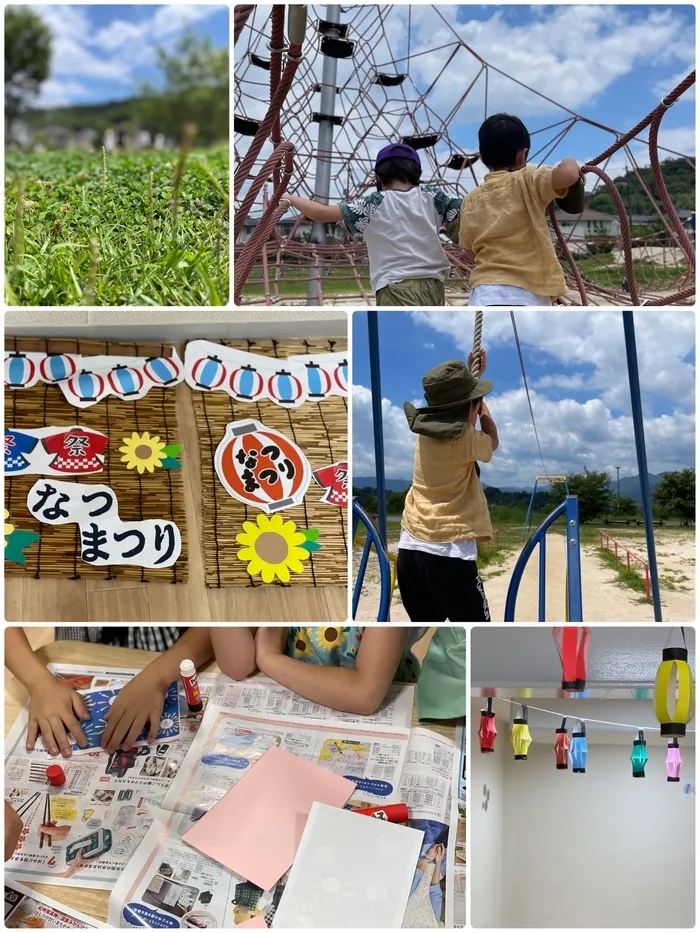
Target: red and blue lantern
162	371
20	370
209	373
340	376
246	383
318	380
125	381
285	388
85	387
57	366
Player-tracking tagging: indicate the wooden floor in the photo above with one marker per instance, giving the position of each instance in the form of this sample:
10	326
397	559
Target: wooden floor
62	601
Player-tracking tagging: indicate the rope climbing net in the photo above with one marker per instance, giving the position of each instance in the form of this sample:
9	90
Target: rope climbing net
380	96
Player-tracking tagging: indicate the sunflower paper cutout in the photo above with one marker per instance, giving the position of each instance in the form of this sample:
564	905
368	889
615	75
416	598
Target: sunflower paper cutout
143	452
273	548
16	541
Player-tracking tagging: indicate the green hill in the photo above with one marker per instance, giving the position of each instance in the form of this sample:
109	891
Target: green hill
85	116
679	178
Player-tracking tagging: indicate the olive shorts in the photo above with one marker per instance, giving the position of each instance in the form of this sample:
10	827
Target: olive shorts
425	293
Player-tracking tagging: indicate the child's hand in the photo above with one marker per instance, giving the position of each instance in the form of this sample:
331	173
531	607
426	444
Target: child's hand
482	361
56	832
484	410
268	643
13	830
54	709
139	702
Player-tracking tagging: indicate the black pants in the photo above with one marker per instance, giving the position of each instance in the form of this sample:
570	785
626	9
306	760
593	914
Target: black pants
441	589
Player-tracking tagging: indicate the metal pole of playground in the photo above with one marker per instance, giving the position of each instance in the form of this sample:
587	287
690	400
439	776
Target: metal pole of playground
376	386
637	420
324	152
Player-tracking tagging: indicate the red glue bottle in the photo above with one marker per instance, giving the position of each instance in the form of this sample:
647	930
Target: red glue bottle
188	673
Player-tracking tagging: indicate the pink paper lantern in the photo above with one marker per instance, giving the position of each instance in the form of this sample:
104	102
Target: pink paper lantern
673	762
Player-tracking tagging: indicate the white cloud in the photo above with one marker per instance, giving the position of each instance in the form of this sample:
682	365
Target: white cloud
59	93
597	432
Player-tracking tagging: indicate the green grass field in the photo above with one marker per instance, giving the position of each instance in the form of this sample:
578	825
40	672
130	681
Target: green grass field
80	232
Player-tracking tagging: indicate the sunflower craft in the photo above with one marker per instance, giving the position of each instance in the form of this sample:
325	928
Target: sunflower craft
16	541
274	548
143	452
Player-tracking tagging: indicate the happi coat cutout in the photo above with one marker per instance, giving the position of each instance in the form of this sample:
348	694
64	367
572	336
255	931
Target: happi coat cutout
54	451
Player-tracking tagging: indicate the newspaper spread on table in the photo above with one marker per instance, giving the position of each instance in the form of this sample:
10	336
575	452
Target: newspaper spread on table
28	909
456	914
118	821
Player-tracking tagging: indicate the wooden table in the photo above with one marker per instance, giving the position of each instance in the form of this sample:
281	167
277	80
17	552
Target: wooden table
88	900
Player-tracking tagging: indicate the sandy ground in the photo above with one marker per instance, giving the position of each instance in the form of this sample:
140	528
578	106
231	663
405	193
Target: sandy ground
604	598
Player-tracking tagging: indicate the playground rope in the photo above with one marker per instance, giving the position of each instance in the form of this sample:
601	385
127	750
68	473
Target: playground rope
476	346
280	165
527	393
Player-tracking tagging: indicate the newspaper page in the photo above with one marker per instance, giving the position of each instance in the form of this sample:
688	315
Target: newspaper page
25	908
228	743
426	790
84	833
456	914
169	884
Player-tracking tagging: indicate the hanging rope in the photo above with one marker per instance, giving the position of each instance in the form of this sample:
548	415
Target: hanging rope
527	393
476	345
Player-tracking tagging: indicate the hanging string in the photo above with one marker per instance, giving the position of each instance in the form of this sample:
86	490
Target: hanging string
527	393
601	722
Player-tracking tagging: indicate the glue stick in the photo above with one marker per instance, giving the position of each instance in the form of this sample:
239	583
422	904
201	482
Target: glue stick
392	813
189	680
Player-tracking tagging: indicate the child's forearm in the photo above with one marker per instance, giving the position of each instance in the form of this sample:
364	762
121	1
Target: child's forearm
21	661
324	213
234	650
194	645
339	688
565	174
488	426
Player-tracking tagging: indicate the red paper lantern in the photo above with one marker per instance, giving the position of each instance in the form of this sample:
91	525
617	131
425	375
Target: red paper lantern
572	645
487	728
262	467
562	744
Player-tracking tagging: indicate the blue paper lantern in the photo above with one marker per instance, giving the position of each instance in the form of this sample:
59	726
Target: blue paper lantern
19	370
209	373
57	366
86	387
246	383
319	382
125	381
579	749
284	388
160	370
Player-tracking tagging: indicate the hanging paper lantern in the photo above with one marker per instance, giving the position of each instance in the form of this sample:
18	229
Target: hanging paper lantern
487	728
19	370
86	387
572	645
262	467
209	373
677	691
285	388
125	381
578	753
520	735
562	744
673	762
246	383
162	371
57	366
639	755
340	376
318	381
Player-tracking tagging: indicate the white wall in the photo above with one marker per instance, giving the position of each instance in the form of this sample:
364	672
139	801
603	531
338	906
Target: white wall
600	849
486	826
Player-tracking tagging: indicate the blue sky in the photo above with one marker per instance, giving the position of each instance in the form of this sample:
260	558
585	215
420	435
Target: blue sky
578	382
105	52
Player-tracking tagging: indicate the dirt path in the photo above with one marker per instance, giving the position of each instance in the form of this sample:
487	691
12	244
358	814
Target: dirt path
604	598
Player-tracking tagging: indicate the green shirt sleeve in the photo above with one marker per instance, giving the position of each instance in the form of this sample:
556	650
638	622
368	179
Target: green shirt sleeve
358	213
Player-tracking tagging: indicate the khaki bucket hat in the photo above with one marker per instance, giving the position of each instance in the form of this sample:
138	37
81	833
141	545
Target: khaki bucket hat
449	388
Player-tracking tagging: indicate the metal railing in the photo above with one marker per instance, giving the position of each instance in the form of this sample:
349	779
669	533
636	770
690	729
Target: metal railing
612	546
574	603
372	539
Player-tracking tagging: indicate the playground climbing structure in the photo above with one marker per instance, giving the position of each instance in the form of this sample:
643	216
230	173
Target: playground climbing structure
294	124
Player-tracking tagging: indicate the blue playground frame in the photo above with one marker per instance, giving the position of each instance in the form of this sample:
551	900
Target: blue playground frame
569	507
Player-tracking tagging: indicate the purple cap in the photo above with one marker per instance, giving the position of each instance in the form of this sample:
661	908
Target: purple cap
397	151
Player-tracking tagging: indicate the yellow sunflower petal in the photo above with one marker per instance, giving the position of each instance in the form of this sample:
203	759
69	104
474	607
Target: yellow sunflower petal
248	553
295	565
276	522
282	572
254	567
267	572
298	553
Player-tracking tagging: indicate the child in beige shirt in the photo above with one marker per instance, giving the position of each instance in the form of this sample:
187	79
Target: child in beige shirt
502	222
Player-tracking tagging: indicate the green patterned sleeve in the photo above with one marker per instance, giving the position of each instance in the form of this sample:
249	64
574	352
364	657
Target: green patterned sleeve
358	213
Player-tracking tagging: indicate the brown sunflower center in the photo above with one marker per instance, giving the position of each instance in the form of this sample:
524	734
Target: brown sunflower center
143	452
300	644
331	634
271	547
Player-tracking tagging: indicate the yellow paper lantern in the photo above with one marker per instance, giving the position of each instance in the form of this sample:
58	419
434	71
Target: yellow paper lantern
674	692
520	736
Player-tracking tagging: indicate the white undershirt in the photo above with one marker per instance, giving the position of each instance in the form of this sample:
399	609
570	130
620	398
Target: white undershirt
464	549
484	295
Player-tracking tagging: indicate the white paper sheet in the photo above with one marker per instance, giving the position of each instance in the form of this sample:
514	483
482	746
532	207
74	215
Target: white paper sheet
350	872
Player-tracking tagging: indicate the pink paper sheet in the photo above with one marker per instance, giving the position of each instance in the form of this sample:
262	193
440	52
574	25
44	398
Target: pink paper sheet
254	923
255	829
